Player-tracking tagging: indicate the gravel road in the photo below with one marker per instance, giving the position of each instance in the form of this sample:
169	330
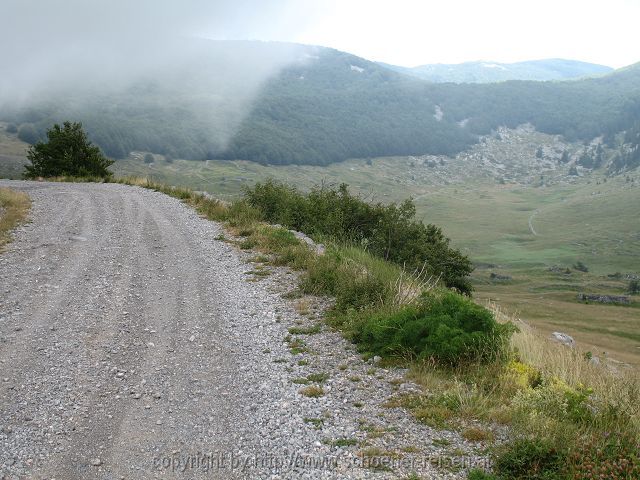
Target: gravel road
136	344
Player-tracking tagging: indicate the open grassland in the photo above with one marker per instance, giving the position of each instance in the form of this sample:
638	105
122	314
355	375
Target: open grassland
549	301
14	207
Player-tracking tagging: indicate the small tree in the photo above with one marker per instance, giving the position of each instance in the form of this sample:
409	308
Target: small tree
148	158
634	287
67	152
11	128
581	267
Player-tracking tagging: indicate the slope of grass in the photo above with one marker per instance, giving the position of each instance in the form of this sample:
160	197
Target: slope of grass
12	154
557	403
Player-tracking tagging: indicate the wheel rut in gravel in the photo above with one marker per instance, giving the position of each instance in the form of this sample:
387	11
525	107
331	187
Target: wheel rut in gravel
110	313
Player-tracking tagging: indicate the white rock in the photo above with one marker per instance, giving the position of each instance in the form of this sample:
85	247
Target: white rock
564	339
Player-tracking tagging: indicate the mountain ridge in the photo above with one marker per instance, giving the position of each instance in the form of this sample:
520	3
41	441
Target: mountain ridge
324	106
490	72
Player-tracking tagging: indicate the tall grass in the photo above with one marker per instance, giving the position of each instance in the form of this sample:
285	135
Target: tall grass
617	388
14	207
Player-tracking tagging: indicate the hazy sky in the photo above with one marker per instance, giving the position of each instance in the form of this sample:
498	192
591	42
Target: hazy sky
414	32
411	32
405	32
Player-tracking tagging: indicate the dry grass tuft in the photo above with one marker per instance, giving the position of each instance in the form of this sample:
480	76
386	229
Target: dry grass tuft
14	207
312	391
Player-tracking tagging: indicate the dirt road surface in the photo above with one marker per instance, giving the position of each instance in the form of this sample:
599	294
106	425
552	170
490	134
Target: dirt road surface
133	346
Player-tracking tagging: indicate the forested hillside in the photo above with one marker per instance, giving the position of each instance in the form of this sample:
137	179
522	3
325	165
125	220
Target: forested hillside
321	106
342	107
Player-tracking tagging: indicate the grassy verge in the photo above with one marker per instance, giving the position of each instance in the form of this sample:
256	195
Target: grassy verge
14	207
568	418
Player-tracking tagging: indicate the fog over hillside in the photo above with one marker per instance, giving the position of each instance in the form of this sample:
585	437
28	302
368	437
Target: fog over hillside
75	53
143	77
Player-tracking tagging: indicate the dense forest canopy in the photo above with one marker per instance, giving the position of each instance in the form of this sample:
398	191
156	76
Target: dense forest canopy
324	106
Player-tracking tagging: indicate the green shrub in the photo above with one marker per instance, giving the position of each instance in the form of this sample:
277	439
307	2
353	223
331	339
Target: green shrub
67	152
449	329
149	158
555	399
354	286
11	128
477	474
526	459
389	232
581	267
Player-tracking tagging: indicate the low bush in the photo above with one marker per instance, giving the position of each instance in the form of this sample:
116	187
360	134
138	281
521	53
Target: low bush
615	457
530	459
390	232
447	328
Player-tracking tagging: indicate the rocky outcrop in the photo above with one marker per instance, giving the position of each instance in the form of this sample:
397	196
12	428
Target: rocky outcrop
597	298
496	277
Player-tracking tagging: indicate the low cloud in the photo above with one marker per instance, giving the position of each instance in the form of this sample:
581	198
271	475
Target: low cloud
80	49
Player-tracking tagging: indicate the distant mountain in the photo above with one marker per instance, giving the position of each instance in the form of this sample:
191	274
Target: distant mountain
322	106
339	106
490	72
